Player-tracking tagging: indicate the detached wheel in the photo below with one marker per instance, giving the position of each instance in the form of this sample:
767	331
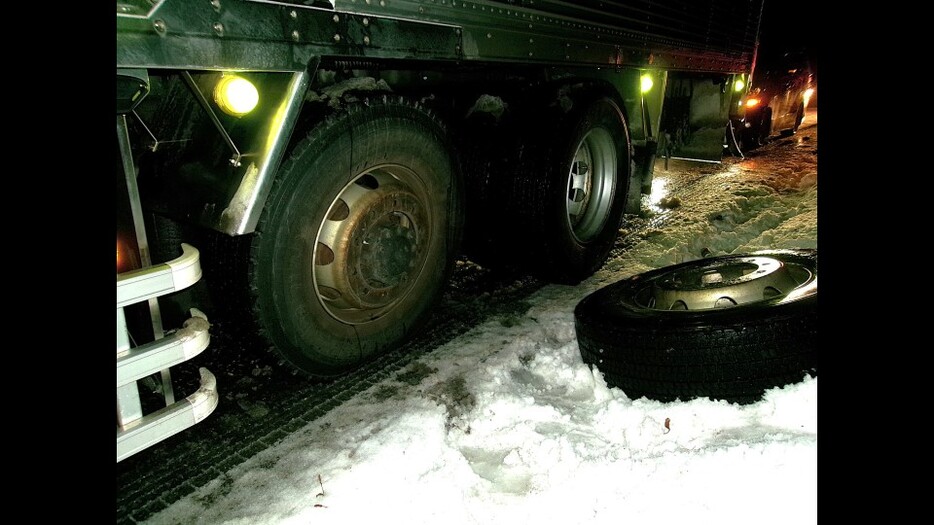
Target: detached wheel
358	237
726	327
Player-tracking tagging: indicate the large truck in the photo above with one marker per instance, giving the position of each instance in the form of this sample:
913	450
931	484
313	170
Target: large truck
327	162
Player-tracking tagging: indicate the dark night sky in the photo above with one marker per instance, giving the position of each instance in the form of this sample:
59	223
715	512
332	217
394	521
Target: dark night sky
787	25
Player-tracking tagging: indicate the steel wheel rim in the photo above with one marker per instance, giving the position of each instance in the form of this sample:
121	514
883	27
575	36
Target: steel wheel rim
591	182
372	245
728	283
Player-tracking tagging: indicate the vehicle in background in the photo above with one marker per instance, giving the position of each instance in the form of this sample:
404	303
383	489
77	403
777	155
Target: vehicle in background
782	85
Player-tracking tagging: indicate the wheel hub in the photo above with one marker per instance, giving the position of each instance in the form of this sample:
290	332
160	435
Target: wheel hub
387	250
591	181
371	248
724	284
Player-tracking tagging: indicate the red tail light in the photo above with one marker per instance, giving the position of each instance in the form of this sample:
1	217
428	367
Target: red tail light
127	259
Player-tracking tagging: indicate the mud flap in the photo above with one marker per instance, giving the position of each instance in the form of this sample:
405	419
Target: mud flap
732	143
695	117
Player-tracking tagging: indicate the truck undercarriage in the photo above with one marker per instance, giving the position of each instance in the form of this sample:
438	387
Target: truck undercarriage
330	159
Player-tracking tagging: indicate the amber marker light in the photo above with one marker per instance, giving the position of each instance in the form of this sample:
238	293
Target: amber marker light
646	83
752	102
235	95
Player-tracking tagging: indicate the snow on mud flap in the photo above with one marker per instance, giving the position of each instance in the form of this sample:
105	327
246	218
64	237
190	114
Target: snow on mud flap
727	327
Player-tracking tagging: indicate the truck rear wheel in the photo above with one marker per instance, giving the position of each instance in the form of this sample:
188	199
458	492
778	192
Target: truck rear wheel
358	237
571	190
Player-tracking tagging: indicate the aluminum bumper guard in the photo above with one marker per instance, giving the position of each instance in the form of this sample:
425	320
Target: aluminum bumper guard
136	431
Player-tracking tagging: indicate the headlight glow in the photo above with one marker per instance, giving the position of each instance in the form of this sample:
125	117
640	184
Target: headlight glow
235	95
739	85
808	93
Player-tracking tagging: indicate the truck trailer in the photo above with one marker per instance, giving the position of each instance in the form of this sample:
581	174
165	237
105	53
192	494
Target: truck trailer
326	162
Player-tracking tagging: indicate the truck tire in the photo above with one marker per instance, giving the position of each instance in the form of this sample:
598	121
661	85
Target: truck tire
759	133
726	327
358	236
799	117
570	190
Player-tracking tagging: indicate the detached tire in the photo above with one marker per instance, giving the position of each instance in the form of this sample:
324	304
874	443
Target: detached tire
358	237
728	327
